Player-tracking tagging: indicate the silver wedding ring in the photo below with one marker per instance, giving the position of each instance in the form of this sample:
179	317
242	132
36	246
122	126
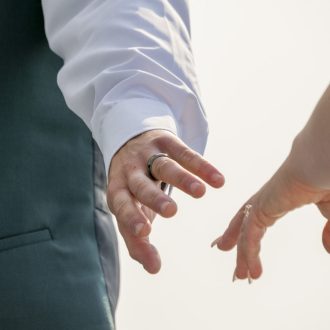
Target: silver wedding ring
163	185
150	163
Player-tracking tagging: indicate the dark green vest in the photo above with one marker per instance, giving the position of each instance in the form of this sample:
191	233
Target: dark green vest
58	252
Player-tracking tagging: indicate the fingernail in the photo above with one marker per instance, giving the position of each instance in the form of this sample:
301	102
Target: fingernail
164	206
194	187
217	177
138	228
249	278
234	276
216	241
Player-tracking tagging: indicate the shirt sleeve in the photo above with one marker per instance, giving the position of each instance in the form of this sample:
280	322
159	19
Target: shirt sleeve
128	68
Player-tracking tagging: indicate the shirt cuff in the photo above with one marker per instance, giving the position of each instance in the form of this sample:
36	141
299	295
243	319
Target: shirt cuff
122	121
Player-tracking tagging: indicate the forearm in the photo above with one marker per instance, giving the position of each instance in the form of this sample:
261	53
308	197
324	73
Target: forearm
128	68
309	159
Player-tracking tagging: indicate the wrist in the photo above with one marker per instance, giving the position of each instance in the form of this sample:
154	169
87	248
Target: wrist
308	162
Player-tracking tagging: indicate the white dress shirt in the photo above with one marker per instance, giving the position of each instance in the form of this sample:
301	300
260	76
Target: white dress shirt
128	68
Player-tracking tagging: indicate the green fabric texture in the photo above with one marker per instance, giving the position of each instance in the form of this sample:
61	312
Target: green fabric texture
50	271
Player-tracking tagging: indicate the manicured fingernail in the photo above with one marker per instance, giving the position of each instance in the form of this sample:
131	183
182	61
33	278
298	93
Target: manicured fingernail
249	278
138	228
216	241
195	186
234	276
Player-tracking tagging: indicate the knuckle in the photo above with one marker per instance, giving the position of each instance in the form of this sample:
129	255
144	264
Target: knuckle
140	187
129	168
120	207
112	192
160	166
154	197
148	194
182	179
163	140
186	154
182	183
262	219
189	156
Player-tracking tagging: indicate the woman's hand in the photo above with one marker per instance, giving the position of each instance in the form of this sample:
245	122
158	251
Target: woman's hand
134	198
281	194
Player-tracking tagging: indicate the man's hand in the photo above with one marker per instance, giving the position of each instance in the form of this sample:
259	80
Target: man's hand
135	199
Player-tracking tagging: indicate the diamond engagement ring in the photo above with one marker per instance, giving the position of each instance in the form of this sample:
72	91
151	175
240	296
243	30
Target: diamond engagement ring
246	210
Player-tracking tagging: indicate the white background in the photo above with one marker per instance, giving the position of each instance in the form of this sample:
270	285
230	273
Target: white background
262	65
